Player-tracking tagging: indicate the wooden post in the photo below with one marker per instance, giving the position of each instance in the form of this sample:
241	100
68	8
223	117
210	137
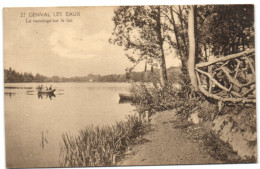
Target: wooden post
220	106
114	159
140	117
210	70
147	116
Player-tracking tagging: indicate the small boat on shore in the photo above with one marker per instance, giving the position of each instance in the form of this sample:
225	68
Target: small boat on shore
46	91
125	97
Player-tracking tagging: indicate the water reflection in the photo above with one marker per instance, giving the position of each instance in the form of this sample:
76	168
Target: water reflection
15	87
121	101
30	92
10	94
46	95
44	139
34	123
11	91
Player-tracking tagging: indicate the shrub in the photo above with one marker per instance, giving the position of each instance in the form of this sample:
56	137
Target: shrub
152	97
242	116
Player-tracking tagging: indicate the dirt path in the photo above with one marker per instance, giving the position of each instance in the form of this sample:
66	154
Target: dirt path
166	145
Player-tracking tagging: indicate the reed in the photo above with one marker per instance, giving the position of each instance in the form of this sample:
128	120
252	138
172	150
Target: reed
97	146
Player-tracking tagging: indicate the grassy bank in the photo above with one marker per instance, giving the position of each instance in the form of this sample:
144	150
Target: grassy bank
98	146
241	117
211	143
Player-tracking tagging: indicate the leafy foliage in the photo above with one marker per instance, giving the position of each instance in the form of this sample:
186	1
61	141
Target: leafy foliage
140	30
11	76
135	30
96	146
243	117
221	150
153	97
224	29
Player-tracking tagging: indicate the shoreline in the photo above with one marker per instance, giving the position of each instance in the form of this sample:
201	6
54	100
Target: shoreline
175	142
165	140
166	145
100	145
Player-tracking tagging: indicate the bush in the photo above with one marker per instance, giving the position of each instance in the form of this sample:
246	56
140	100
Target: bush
222	151
242	117
152	97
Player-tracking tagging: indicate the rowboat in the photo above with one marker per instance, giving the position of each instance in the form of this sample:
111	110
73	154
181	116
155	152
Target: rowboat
46	91
125	97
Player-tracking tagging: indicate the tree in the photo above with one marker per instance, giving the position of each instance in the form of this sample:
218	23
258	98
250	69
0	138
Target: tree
163	73
224	29
218	30
192	48
178	38
28	77
139	29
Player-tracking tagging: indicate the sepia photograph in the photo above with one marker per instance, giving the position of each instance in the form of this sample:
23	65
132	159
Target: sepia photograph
140	85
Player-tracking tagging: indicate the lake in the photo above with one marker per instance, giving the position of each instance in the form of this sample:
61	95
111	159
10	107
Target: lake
34	123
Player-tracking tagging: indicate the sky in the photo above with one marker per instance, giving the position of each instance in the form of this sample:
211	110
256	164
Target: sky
75	48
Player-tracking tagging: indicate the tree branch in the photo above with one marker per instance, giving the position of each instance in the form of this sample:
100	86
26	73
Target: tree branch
248	92
237	68
244	100
230	78
218	84
251	65
214	80
222	59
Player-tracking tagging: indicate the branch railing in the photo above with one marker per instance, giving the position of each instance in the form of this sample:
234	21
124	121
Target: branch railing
230	78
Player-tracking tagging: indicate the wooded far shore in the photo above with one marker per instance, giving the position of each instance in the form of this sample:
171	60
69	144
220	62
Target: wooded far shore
12	76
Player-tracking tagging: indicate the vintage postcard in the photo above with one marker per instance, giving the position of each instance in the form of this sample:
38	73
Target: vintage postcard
129	85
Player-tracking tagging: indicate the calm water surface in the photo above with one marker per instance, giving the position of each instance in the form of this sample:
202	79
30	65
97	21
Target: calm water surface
34	124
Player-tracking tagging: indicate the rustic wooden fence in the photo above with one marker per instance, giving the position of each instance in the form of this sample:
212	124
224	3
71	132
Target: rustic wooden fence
230	78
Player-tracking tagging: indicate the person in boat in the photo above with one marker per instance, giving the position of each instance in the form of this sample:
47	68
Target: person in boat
50	88
39	87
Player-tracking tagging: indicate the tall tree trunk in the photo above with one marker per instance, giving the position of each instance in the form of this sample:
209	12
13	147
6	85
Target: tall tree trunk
243	39
192	49
145	72
145	67
152	69
243	42
176	32
182	34
182	53
205	51
196	36
163	74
